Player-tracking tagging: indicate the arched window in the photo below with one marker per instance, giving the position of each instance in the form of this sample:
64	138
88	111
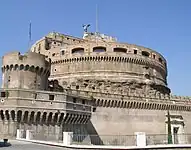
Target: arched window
21	67
99	49
122	50
145	53
77	50
160	60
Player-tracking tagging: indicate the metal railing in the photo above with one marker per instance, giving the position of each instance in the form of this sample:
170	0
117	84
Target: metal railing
129	140
107	140
52	137
156	139
115	140
159	139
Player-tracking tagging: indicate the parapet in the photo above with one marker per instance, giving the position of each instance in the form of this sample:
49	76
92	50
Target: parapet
30	58
100	37
180	98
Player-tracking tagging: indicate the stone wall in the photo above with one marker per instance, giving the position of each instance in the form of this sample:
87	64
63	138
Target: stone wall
114	121
74	59
43	112
30	71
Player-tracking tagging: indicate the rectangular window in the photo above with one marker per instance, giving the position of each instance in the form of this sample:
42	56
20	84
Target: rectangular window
35	95
74	100
135	51
3	94
51	97
94	109
83	101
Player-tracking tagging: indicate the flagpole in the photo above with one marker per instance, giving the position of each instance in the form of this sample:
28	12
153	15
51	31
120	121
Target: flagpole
96	21
30	35
96	18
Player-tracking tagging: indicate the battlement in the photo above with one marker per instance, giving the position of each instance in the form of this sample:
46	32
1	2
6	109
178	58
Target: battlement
30	59
98	37
180	98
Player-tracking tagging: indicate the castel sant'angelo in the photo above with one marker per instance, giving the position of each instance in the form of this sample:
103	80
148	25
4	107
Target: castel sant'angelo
90	85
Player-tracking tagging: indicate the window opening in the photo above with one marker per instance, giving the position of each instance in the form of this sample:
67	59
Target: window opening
122	50
74	100
51	97
144	53
99	49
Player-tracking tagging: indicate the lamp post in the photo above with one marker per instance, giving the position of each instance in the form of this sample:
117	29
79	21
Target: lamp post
169	128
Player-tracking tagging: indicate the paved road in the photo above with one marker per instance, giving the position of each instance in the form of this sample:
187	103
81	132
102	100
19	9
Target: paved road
20	145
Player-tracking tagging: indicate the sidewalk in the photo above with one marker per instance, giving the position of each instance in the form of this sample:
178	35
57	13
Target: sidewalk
170	146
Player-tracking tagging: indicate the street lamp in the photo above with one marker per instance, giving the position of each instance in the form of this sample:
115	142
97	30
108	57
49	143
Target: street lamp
169	128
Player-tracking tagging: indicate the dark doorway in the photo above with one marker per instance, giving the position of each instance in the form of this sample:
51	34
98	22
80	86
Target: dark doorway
175	133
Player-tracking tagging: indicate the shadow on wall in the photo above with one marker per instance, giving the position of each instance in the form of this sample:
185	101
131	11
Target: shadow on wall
94	137
53	85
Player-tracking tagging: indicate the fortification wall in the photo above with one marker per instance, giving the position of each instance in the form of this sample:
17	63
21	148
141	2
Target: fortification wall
75	59
48	114
87	65
128	121
127	115
129	65
30	71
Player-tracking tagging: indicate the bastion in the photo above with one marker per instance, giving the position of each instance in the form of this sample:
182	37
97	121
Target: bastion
28	104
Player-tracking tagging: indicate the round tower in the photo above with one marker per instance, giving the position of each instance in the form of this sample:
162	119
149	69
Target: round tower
28	71
101	64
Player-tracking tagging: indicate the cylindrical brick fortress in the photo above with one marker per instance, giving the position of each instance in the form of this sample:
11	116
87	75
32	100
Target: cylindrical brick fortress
29	71
111	67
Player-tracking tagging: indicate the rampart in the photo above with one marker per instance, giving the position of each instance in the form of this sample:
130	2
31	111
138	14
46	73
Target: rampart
42	111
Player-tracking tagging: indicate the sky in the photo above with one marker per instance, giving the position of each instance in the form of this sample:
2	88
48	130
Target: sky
162	25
